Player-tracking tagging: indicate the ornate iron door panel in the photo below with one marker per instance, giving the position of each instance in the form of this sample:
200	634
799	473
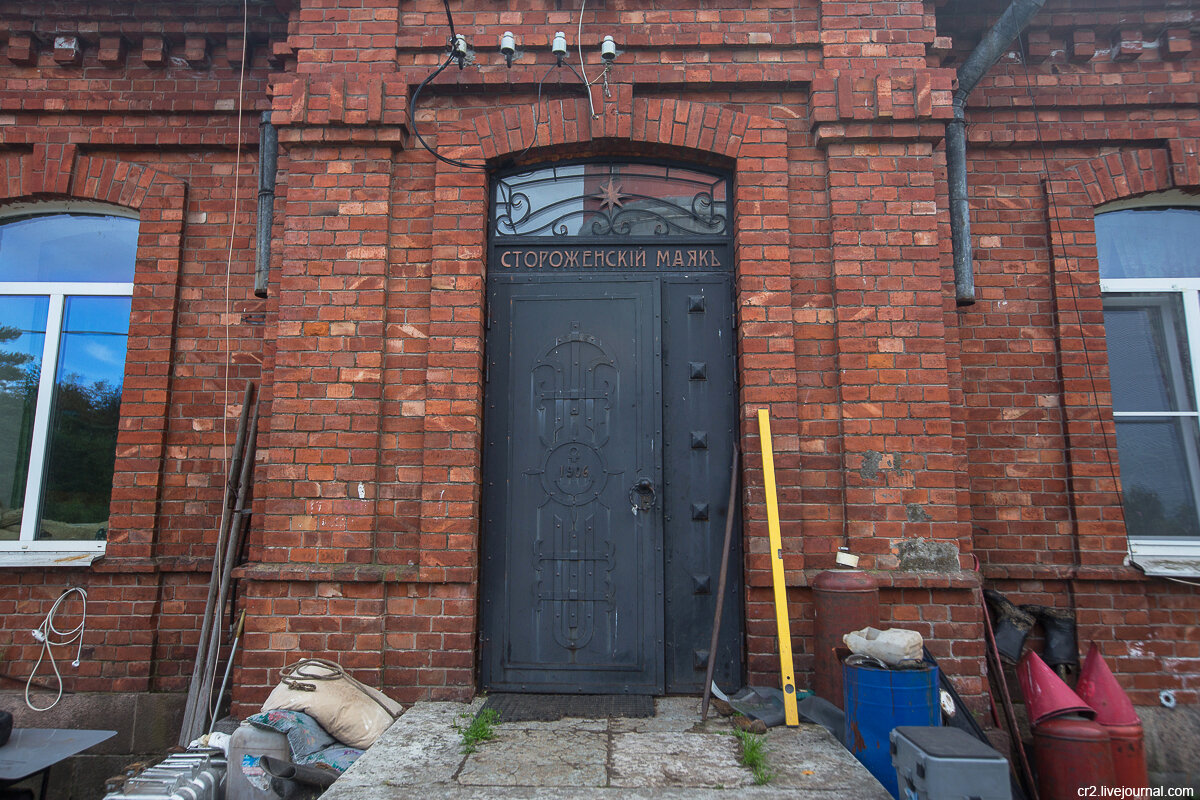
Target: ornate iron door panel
699	409
573	573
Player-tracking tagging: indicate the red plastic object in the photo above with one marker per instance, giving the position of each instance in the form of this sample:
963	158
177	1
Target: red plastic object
1072	754
1099	688
1046	695
843	601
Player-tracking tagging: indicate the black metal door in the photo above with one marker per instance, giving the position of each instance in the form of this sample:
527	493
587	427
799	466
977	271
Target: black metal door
572	573
609	429
699	409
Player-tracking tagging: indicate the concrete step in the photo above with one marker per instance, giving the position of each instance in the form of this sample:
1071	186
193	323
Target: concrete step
671	755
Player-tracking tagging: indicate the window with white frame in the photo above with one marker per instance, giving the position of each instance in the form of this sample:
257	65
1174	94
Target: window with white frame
1150	275
66	281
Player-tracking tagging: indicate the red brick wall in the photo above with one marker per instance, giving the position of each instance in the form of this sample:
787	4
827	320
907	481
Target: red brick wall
897	416
1103	110
146	120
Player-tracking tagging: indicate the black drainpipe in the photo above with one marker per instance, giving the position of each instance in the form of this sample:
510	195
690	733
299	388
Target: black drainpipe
982	58
268	160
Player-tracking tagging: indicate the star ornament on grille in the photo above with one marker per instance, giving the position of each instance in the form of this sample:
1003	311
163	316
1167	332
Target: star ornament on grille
610	194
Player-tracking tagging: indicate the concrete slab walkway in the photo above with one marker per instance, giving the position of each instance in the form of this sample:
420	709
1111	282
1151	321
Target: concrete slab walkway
668	756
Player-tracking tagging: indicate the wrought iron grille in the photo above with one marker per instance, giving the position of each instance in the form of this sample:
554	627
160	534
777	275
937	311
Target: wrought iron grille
611	200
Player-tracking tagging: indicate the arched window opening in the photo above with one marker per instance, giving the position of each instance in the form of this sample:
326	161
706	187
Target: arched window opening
1150	274
66	281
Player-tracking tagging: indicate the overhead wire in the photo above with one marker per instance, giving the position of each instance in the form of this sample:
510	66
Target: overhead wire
237	169
450	21
537	108
1037	125
412	114
582	67
1076	558
1087	355
452	58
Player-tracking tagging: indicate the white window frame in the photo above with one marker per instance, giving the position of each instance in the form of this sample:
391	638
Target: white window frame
1166	556
26	550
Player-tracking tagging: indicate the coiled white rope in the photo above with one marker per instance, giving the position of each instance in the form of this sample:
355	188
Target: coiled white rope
50	636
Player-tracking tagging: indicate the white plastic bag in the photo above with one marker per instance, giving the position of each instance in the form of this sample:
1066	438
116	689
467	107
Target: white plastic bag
891	646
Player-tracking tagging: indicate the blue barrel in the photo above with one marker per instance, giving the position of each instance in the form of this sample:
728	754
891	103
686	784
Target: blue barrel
877	700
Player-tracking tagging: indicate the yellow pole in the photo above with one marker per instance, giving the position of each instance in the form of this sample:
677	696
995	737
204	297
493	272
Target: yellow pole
786	667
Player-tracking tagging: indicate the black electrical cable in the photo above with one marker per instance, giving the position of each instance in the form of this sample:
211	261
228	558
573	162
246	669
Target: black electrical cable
537	107
412	117
450	59
450	20
1075	290
412	101
567	64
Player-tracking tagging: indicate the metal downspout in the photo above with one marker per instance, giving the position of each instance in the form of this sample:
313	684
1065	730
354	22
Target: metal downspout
268	160
982	58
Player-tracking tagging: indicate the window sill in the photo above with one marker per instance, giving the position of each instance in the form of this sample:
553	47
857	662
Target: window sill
1167	558
48	554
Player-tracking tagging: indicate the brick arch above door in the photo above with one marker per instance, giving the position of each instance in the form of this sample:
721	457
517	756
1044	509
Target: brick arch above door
755	148
706	129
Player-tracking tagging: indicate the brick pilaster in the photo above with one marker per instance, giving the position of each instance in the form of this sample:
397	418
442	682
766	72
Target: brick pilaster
325	415
888	299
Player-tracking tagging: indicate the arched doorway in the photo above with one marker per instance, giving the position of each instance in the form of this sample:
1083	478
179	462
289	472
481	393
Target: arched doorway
609	428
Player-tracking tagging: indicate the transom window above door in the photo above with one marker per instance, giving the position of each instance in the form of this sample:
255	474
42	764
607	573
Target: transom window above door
611	200
66	281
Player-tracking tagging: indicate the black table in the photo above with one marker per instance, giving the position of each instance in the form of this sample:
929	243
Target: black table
33	750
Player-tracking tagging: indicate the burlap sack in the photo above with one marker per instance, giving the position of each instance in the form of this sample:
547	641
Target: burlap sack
348	710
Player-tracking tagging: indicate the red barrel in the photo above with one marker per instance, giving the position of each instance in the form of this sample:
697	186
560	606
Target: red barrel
843	600
1072	754
1128	756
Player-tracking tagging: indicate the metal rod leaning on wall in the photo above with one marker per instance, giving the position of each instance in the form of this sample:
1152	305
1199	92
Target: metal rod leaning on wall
721	578
787	667
996	670
214	707
193	697
200	723
237	531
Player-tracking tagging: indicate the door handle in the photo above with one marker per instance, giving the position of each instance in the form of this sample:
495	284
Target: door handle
642	496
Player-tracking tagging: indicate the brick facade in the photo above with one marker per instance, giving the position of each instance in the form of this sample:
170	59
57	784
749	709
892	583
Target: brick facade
986	430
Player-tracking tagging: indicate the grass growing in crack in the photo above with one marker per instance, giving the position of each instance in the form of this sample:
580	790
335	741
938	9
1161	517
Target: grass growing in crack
481	728
754	756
